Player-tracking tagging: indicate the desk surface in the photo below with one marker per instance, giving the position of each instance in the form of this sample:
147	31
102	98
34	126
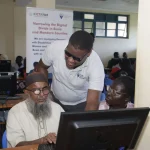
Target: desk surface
30	147
10	103
20	78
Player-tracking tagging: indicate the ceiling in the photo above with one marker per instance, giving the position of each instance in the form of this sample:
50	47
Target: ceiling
130	6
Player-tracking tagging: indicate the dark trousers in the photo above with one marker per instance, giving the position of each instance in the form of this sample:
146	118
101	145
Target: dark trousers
70	108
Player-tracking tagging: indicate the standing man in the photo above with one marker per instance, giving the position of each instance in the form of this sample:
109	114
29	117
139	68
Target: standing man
78	73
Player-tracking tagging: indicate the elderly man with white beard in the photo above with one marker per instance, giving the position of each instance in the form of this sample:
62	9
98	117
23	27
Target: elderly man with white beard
35	120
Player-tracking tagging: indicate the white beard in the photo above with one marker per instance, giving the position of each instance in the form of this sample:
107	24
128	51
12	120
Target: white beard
39	110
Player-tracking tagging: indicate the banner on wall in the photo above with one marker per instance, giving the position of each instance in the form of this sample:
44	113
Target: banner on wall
43	26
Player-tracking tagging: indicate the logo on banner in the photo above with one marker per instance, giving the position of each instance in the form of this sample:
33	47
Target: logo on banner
61	16
64	16
40	15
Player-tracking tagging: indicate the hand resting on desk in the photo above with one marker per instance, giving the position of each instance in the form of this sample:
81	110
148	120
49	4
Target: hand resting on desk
50	138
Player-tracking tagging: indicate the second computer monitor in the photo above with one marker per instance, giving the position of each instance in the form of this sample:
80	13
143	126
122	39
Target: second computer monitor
8	83
5	65
101	130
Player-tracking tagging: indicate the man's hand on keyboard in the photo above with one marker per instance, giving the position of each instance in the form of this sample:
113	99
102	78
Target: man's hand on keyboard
50	138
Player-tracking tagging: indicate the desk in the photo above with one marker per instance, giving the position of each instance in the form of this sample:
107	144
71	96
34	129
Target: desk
10	103
30	147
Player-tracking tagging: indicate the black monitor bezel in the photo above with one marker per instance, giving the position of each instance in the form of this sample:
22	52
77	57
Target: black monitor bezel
67	117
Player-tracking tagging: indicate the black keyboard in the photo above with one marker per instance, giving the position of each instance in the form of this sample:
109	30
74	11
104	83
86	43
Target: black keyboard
46	147
5	97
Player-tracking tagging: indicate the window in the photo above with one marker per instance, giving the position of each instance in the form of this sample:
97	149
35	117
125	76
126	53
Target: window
102	25
88	26
88	16
77	25
100	28
122	30
111	29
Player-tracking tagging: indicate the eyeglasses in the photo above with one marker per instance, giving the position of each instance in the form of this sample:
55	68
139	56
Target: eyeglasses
45	90
74	57
110	90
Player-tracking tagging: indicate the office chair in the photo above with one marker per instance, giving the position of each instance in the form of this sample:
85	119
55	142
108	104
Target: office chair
4	140
102	97
108	81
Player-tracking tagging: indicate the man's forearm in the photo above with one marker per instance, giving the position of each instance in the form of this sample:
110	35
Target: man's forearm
91	106
92	102
38	141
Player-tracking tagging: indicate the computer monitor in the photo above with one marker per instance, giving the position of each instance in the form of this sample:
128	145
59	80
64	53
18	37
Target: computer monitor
101	130
8	83
5	65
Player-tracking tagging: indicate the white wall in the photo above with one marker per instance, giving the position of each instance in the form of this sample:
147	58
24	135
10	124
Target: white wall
20	31
6	28
12	29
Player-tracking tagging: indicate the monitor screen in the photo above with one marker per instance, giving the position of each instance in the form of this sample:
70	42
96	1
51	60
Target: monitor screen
8	83
5	65
101	130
